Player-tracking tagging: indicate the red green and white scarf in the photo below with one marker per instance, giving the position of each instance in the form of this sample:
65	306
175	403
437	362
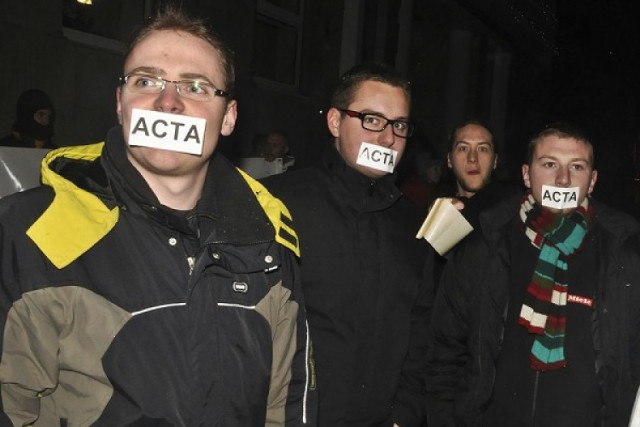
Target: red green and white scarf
544	307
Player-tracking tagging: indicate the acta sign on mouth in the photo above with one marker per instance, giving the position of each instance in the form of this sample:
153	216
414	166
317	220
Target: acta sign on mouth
166	131
559	198
377	157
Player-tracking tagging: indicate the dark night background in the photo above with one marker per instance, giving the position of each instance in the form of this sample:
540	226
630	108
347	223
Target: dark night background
566	60
595	85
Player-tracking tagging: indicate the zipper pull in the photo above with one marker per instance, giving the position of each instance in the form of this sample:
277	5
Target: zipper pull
191	260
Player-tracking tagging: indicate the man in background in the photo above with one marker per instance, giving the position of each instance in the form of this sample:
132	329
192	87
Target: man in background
472	158
276	146
35	119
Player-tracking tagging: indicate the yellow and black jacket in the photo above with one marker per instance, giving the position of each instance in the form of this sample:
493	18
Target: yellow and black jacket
118	311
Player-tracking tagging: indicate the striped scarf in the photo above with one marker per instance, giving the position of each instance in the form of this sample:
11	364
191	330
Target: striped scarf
544	307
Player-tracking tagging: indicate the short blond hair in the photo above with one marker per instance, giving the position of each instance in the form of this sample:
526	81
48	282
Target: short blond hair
173	18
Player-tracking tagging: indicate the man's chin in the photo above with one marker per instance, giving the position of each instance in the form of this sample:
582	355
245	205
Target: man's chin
563	212
372	172
473	187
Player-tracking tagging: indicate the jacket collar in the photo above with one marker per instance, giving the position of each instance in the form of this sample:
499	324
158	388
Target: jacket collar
370	194
227	212
495	220
234	208
76	218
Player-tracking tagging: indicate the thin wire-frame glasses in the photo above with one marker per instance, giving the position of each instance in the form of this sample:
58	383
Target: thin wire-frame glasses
197	90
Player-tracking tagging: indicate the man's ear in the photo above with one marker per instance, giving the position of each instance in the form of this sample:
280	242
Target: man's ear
525	176
229	119
334	117
495	162
592	184
449	161
119	104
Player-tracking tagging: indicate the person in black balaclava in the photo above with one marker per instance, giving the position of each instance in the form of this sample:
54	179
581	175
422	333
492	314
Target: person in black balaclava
35	117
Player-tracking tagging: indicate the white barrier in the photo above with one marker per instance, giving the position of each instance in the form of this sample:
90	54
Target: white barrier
19	169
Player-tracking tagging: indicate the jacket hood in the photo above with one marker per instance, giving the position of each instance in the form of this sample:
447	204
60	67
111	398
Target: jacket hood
76	218
234	208
381	192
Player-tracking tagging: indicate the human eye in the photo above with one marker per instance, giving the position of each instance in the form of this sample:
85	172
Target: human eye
462	148
144	82
578	167
401	125
372	121
485	149
548	164
197	87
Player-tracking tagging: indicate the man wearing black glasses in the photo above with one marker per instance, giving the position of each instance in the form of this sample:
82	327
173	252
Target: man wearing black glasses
362	268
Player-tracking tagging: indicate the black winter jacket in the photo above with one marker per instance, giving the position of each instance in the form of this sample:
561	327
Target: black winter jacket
470	310
362	274
118	311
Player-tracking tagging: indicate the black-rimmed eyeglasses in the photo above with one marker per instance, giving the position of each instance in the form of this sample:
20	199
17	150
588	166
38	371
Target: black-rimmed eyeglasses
197	90
377	123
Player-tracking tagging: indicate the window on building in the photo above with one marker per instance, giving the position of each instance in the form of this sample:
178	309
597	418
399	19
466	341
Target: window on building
278	41
103	23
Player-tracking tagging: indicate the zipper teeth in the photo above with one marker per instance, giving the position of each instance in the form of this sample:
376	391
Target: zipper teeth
535	397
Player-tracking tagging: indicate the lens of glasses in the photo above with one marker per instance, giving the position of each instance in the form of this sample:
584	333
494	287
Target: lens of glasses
376	123
144	84
373	122
197	90
402	129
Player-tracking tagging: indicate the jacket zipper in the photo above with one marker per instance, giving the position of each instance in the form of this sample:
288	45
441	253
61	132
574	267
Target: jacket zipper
535	397
191	260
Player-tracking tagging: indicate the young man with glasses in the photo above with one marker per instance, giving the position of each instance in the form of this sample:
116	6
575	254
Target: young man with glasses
362	268
149	282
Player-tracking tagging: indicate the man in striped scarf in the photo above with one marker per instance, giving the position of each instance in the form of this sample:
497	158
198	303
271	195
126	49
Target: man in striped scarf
536	321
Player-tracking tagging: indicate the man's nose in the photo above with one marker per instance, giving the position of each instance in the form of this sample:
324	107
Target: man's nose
387	138
472	157
563	178
168	101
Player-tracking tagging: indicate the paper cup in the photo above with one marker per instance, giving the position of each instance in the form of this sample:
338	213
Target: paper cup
444	226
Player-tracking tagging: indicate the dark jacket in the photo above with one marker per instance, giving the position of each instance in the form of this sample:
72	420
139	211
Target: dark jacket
488	196
119	311
470	309
362	274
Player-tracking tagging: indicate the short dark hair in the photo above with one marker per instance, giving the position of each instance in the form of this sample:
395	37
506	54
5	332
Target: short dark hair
471	121
172	18
280	132
350	82
560	130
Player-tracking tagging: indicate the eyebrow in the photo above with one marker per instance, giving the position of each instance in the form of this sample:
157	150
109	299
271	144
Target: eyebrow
375	113
572	160
462	141
154	71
